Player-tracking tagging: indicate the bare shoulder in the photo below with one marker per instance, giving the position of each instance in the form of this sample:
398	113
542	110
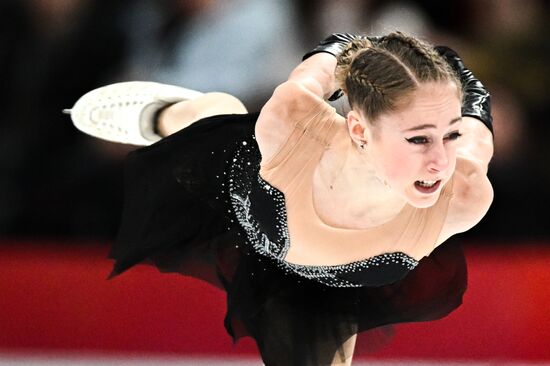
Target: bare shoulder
471	198
276	121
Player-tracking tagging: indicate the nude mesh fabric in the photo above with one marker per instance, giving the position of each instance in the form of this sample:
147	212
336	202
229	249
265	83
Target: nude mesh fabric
414	231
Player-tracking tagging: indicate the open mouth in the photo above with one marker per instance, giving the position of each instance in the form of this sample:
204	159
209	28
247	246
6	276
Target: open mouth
427	186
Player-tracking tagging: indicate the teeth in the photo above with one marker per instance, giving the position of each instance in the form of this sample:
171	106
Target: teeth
427	183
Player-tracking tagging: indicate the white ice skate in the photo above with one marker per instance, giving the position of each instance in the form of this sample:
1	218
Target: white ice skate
124	112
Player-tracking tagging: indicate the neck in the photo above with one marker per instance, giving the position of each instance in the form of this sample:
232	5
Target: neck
352	181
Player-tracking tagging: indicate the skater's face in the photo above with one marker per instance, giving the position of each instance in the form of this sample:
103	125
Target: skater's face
413	149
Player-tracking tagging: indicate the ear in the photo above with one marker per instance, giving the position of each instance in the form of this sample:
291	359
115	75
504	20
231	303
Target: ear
357	126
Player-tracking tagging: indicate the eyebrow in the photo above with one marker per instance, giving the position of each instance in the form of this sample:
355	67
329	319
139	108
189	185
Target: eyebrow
428	125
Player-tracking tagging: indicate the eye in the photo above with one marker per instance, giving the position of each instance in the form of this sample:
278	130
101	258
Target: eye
453	136
418	140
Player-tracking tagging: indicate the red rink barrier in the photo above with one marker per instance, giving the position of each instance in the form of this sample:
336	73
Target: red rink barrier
55	297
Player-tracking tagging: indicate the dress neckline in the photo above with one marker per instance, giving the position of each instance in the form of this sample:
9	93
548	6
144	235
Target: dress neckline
344	266
365	262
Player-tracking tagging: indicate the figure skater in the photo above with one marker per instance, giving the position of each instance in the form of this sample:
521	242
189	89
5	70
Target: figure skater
319	227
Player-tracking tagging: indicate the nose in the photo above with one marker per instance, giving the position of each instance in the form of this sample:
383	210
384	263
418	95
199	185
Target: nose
438	159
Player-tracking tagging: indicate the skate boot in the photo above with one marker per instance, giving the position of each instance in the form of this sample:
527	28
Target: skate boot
126	112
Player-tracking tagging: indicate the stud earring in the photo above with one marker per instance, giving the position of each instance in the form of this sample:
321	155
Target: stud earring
363	144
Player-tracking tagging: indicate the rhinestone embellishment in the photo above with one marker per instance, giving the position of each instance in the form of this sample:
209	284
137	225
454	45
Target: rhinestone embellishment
245	183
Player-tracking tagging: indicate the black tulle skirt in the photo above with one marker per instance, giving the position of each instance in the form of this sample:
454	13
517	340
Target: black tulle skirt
176	217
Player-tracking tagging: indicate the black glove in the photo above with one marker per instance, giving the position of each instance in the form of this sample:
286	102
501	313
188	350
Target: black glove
335	44
477	100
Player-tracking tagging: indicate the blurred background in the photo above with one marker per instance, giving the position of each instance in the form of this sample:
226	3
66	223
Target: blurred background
59	183
62	190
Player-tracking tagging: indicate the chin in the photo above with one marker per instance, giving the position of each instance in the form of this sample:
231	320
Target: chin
423	202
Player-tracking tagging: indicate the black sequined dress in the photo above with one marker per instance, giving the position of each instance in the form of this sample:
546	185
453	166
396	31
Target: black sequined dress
195	204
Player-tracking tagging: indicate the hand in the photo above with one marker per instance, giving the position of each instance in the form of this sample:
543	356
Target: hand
477	100
335	44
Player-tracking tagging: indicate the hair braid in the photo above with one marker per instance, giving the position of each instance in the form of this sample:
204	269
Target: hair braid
346	58
378	77
365	82
419	56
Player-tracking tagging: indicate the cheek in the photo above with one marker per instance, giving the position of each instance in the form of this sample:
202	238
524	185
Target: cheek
399	165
